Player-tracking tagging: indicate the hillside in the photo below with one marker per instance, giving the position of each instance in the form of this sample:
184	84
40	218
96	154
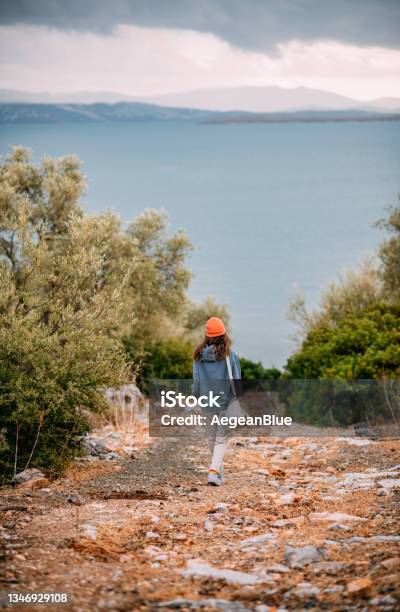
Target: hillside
79	113
270	99
24	113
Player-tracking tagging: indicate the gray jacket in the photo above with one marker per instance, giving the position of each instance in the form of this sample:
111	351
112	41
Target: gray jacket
210	374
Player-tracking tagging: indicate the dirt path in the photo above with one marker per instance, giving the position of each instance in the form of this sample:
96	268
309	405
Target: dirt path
148	534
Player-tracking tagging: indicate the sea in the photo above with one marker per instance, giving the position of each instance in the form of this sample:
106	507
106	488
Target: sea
271	209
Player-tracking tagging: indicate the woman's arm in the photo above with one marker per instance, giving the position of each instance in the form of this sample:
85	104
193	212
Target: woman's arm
236	370
196	380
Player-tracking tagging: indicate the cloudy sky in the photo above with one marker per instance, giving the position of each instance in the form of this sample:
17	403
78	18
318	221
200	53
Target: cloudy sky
150	47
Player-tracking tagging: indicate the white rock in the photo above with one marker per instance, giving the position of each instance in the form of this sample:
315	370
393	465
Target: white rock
338	588
283	523
152	550
89	531
265	576
303	555
317	517
260	539
28	475
331	568
152	535
339	527
364	480
355	441
389	483
331	542
305	589
288	522
208	526
221	507
129	450
286	500
198	568
278	568
376	538
385	600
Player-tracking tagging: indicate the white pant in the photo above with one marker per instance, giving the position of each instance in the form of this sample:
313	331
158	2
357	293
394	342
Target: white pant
218	445
219	433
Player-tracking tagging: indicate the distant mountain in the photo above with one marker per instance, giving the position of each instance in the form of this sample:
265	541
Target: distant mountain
247	99
270	100
344	116
21	113
384	104
256	99
78	113
76	97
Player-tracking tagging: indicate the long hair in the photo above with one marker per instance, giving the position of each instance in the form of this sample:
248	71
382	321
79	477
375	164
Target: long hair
221	347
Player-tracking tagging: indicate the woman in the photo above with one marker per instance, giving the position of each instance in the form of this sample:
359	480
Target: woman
210	367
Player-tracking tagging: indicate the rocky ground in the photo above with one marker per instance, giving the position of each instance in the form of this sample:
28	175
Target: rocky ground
300	524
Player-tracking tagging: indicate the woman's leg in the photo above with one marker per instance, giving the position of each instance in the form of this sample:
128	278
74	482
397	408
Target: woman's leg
218	448
212	434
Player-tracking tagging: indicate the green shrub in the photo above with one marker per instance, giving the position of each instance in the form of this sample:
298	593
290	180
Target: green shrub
163	359
252	370
57	350
72	286
58	319
360	347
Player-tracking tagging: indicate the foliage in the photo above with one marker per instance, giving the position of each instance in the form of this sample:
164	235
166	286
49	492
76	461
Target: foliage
361	345
57	318
389	253
195	316
170	358
71	286
329	369
352	293
157	287
252	370
333	370
333	402
353	336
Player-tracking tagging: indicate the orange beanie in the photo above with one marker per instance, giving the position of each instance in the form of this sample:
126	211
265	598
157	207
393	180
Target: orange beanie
215	327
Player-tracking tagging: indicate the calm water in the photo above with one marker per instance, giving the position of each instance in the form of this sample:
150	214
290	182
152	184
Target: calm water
266	206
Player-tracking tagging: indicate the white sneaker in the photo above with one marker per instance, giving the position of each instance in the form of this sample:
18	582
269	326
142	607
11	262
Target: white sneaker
214	479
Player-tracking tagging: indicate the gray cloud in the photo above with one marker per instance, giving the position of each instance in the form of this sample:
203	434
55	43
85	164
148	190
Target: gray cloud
251	24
